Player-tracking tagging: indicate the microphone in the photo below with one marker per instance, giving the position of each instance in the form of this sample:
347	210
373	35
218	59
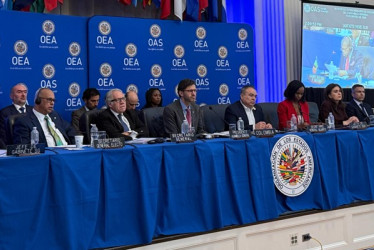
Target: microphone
218	115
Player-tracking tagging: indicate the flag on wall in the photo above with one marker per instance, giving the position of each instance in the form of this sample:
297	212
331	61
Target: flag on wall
135	2
223	19
165	9
21	4
203	4
192	10
157	3
179	8
125	2
213	11
52	4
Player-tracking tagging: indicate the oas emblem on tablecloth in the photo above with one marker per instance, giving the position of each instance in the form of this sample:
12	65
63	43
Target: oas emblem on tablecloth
224	89
104	28
179	51
74	89
20	47
243	70
132	87
155	31
49	71
131	50
105	69
74	49
156	70
242	34
48	27
222	52
200	32
292	165
202	71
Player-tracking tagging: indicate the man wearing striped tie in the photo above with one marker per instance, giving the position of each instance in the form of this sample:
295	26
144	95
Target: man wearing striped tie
53	130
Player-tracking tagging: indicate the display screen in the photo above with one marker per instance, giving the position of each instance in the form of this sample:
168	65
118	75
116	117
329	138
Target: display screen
337	45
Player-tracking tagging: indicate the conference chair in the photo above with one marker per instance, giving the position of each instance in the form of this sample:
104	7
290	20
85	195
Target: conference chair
313	112
270	113
88	118
9	123
214	117
153	121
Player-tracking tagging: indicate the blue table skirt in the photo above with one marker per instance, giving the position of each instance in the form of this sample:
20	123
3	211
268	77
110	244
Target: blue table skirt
101	198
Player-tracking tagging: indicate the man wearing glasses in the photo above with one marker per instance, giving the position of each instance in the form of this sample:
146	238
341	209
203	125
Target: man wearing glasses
118	121
53	130
183	109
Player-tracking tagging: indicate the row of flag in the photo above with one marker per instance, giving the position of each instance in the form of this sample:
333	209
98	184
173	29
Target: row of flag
191	10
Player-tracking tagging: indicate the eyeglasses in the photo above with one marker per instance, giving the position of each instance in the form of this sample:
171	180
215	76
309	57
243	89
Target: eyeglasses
191	90
48	99
135	104
122	99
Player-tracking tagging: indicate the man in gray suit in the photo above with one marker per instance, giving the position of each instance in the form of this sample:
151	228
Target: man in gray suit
91	98
183	109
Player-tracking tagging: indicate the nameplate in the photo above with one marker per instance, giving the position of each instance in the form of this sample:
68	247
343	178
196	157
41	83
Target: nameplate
181	138
110	143
264	132
240	134
358	125
25	149
317	128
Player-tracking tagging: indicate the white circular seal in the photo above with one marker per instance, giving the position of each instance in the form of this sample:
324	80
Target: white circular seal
74	89
132	87
156	70
74	49
179	51
105	69
48	27
202	71
104	28
243	70
200	32
131	50
222	52
242	34
292	165
155	31
224	89
49	71
20	47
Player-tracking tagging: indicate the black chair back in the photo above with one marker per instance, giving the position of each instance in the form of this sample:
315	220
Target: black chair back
9	127
313	112
214	117
88	118
270	113
153	121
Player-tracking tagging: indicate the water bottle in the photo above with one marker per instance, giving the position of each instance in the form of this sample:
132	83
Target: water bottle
240	124
34	136
94	134
293	123
185	127
331	121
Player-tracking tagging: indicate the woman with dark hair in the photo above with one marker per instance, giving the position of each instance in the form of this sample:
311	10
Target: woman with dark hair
153	98
294	104
333	103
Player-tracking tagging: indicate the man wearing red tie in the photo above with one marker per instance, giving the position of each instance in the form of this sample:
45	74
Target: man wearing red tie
183	109
351	61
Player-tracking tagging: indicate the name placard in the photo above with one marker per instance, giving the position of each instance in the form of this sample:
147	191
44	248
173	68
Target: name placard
108	143
25	149
181	138
358	125
317	128
240	134
264	132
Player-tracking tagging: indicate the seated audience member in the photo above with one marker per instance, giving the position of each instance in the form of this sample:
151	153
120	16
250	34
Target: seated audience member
132	100
53	130
333	103
153	98
91	98
184	109
248	110
117	120
18	95
357	107
294	104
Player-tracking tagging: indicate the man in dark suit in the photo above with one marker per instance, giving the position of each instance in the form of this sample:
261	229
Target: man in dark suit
117	121
248	110
18	94
91	98
357	107
351	60
53	130
183	109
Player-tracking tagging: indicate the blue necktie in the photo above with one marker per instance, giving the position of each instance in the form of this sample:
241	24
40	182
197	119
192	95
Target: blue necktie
125	127
22	109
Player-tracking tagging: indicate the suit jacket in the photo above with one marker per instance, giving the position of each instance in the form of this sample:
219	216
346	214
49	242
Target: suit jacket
173	118
236	110
75	116
286	109
108	122
338	110
4	114
355	63
23	126
352	109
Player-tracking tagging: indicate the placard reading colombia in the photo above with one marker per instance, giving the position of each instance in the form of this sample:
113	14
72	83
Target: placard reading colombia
292	165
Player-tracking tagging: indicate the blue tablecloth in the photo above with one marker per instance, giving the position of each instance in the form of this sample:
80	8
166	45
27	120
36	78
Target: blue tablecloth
100	198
